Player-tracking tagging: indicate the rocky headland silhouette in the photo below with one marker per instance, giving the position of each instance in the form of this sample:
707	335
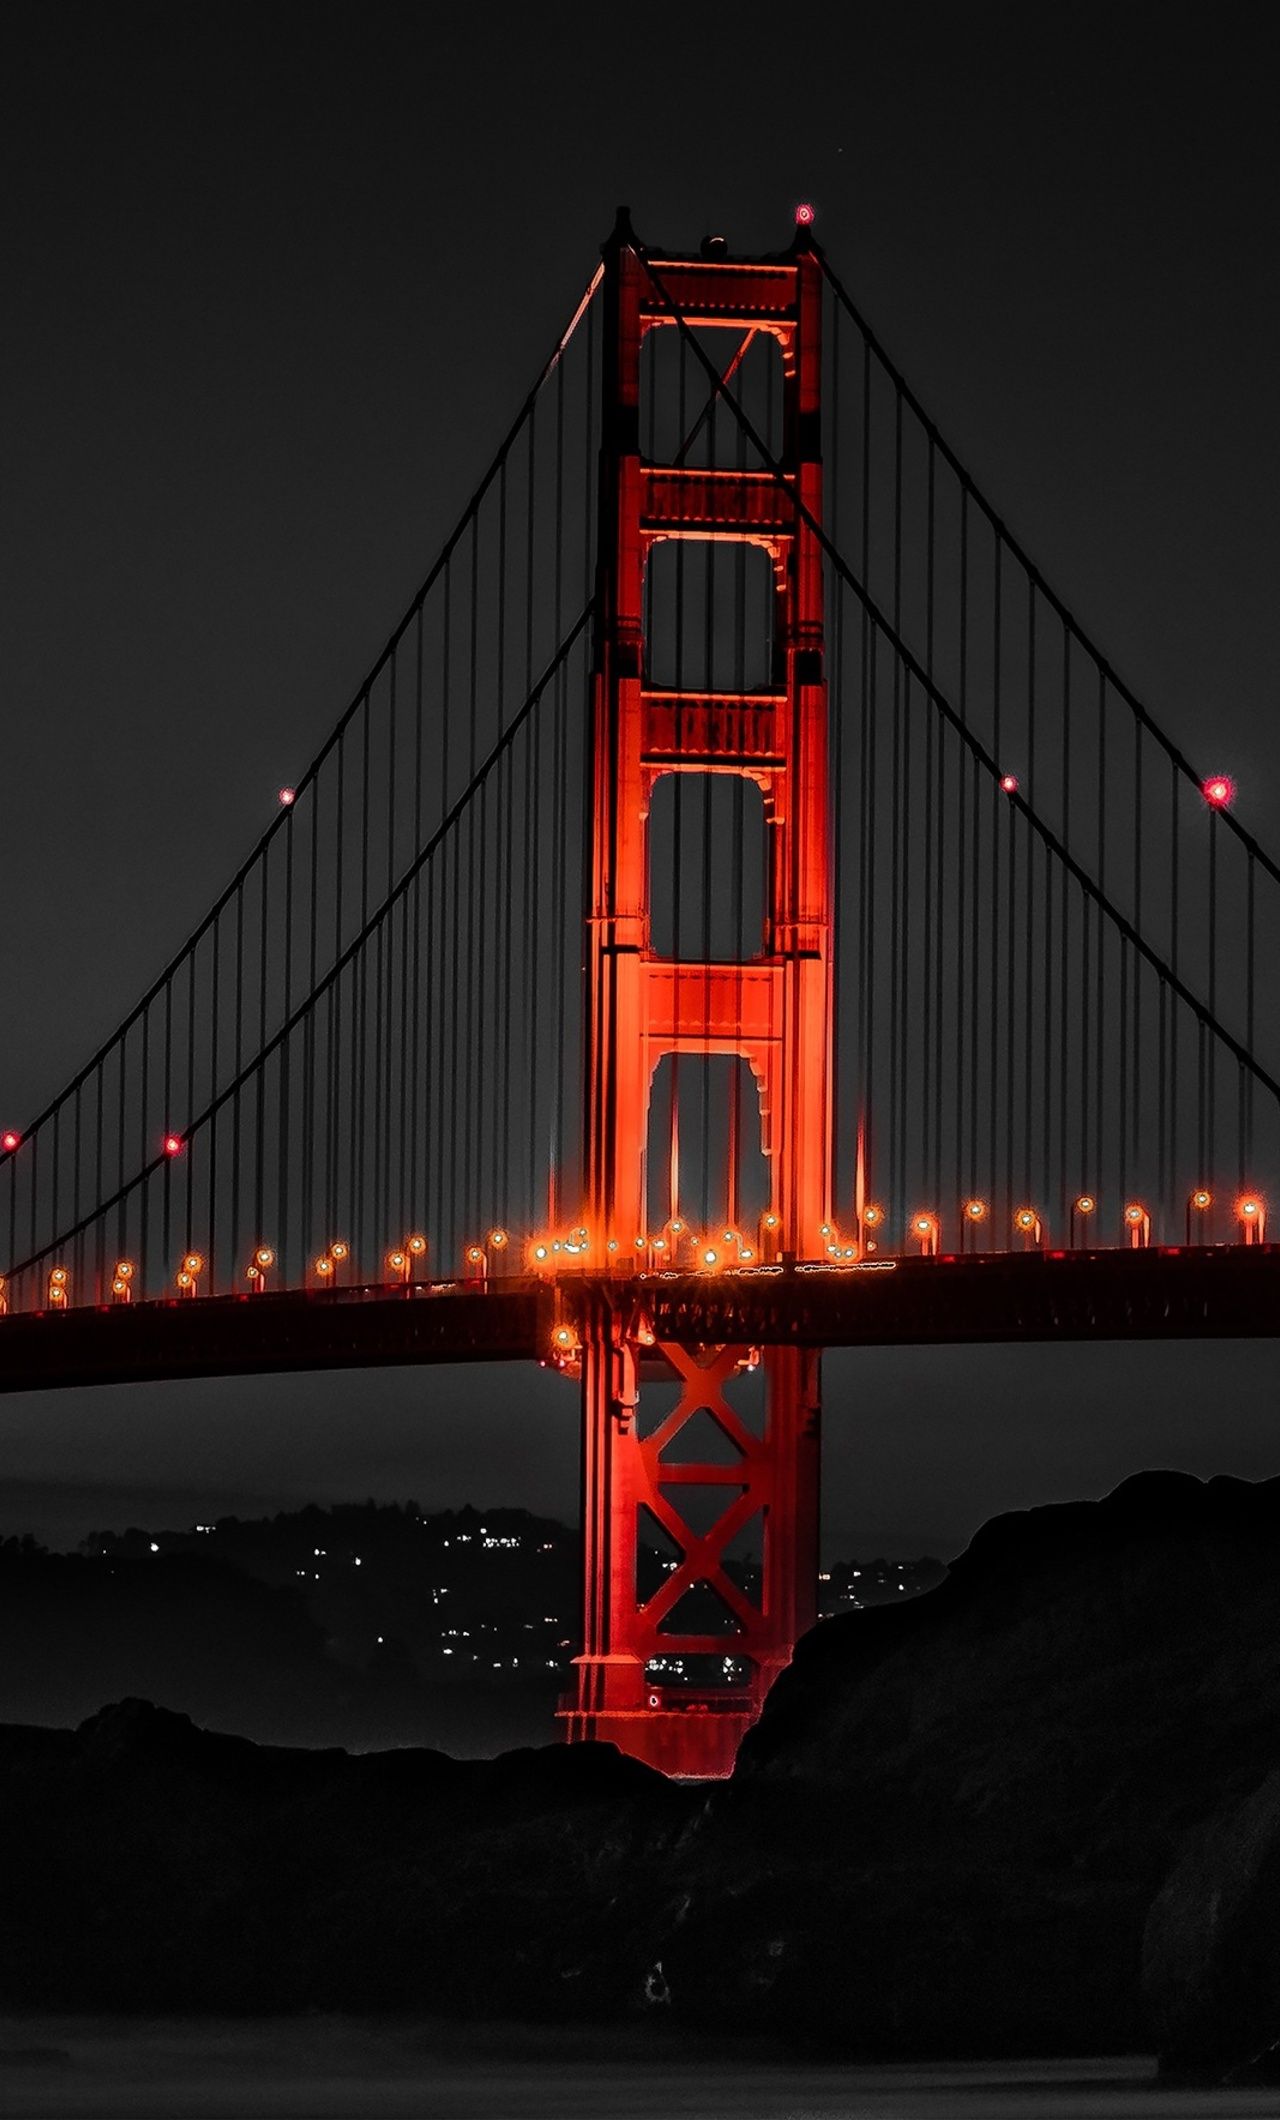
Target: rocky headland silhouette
1034	1811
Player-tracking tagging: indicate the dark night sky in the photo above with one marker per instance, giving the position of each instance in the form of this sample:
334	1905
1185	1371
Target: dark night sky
273	281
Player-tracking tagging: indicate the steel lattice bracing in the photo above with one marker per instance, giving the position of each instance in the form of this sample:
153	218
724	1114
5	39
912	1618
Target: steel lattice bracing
923	992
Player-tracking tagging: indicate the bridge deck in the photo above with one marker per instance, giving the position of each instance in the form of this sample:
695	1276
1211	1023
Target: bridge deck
1223	1292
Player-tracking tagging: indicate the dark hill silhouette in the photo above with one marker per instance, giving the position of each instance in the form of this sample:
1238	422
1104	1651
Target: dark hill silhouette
363	1624
207	1638
947	1835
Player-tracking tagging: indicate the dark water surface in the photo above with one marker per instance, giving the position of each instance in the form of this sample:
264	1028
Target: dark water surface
343	2069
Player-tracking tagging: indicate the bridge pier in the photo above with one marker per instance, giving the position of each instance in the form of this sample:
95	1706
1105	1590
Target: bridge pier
633	1683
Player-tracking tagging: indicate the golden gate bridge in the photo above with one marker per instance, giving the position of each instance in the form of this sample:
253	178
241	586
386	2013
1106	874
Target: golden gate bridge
740	913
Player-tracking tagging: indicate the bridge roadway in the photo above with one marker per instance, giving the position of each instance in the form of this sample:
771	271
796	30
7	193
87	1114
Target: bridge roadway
1224	1291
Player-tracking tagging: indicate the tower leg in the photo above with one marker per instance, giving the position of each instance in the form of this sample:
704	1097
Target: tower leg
627	1691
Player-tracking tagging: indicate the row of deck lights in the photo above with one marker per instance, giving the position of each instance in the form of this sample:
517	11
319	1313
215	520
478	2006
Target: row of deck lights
1249	1211
546	1254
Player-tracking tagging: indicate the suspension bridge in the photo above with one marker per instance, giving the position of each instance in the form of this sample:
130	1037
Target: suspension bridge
740	913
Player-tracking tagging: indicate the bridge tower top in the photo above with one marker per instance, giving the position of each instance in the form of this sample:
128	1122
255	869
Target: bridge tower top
772	1007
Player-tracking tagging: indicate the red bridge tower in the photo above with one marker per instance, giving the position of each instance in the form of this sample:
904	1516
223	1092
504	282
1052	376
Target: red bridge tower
773	1010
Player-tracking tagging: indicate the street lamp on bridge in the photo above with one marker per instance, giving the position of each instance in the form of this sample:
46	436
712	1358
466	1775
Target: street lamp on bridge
1199	1203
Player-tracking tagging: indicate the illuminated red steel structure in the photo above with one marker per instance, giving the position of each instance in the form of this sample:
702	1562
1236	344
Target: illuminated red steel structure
773	1010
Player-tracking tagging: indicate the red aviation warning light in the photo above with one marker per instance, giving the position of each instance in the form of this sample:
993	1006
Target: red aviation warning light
173	1144
10	1139
805	215
1219	791
1009	783
288	796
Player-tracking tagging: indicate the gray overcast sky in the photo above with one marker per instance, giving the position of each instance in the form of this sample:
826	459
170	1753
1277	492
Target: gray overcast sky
273	281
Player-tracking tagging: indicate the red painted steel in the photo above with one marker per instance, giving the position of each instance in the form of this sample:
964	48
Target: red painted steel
774	1012
1225	1291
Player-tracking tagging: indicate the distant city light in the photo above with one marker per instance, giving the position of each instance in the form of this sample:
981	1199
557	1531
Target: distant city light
1219	791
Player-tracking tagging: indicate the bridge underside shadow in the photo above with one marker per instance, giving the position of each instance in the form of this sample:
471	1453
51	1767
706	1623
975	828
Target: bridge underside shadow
1224	1292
